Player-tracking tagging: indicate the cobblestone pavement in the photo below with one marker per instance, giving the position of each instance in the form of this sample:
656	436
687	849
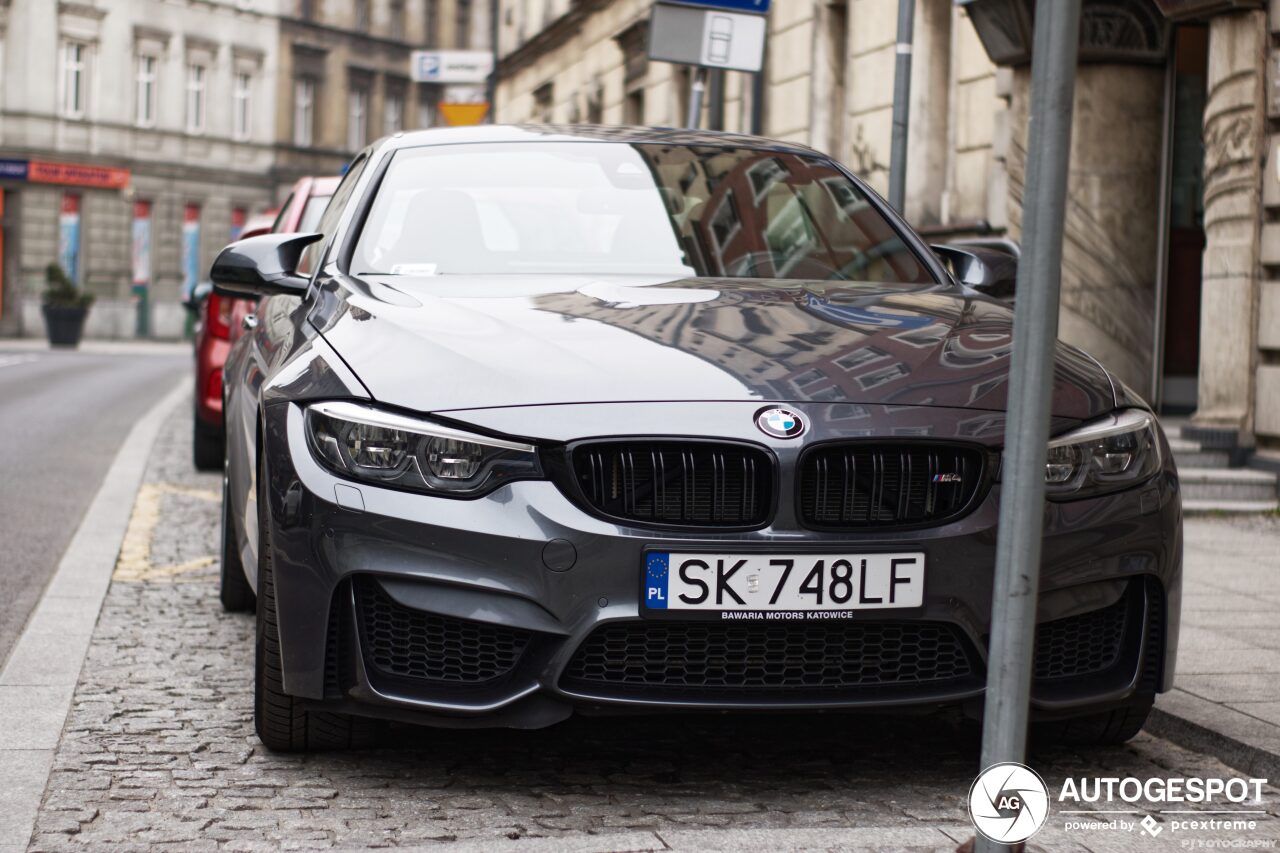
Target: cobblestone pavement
159	751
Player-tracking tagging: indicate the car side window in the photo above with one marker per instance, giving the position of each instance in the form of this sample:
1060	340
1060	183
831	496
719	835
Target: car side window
332	214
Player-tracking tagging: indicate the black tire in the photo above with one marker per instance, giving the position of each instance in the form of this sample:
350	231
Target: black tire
1108	728
233	589
206	446
283	722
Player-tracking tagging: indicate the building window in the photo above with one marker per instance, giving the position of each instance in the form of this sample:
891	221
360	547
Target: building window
357	118
397	23
304	111
428	106
145	112
433	23
393	113
75	79
462	35
242	106
362	16
197	80
307	9
633	107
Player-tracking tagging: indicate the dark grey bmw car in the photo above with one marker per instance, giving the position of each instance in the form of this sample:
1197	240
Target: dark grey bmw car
551	420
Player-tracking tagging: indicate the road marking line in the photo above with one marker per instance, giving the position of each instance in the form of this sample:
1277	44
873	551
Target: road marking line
135	563
15	360
66	615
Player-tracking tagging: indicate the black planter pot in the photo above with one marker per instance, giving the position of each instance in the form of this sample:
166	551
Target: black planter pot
64	324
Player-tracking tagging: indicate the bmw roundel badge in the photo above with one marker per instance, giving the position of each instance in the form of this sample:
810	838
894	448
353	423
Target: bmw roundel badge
780	423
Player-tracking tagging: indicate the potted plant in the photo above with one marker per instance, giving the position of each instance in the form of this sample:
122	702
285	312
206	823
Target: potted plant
65	307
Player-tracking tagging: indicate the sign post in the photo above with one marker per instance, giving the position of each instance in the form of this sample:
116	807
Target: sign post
901	106
465	75
1035	334
709	34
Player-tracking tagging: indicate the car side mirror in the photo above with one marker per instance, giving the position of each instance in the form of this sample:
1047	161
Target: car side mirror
262	266
198	295
993	272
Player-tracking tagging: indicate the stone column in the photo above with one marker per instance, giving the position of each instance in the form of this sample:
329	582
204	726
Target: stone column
1233	136
1109	256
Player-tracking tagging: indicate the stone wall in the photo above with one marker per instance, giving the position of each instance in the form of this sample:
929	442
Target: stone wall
1110	247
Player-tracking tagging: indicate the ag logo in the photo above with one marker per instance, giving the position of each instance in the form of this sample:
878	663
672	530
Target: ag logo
1008	803
779	423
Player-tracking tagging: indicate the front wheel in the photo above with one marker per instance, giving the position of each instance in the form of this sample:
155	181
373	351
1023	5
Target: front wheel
283	722
1108	728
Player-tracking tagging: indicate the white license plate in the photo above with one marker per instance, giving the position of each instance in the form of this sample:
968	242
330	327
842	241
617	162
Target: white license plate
761	583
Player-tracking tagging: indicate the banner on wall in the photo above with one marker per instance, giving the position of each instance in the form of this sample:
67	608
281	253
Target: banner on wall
69	236
141	253
2	253
190	249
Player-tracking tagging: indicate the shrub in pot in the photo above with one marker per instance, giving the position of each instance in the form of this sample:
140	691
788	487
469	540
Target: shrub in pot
65	307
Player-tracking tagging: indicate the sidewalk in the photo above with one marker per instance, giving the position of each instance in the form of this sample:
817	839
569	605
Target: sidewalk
1226	699
99	347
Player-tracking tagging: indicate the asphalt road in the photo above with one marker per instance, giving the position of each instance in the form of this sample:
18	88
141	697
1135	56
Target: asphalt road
63	416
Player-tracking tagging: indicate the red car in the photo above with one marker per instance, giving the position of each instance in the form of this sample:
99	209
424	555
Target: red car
221	319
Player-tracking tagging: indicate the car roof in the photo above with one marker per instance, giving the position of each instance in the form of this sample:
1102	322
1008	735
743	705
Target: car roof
325	186
587	133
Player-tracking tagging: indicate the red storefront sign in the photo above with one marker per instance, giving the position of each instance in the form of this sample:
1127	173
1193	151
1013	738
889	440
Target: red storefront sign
77	174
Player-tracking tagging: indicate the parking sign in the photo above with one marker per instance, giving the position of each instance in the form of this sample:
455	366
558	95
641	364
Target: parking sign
758	7
451	66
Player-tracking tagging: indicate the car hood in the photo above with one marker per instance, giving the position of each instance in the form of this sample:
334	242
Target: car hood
444	343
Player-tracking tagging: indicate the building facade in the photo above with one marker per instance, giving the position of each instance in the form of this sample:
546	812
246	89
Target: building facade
1171	273
344	74
137	136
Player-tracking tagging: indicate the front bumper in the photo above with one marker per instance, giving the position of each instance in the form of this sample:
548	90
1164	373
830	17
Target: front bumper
466	613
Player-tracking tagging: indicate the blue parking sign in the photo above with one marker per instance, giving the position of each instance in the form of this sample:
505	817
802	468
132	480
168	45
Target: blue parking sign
759	7
429	69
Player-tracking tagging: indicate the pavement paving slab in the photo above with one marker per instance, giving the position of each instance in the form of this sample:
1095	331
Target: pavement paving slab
1227	685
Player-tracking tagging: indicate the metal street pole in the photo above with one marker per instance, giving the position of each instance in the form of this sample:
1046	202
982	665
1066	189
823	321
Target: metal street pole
901	105
1017	578
696	92
491	87
715	100
757	103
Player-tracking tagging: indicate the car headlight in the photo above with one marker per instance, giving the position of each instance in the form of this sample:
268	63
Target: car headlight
387	449
1114	453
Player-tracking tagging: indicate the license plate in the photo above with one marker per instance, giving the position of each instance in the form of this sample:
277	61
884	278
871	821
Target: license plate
764	583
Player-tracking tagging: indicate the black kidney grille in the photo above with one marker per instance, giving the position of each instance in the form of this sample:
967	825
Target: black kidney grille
859	485
671	482
406	643
701	656
1082	644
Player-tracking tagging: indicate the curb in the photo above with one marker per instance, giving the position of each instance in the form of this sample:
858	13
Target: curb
925	839
39	680
1236	739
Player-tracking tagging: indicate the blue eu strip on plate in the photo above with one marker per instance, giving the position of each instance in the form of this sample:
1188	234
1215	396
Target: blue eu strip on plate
656	569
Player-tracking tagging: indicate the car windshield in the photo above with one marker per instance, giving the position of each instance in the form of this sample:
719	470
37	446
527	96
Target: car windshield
588	208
